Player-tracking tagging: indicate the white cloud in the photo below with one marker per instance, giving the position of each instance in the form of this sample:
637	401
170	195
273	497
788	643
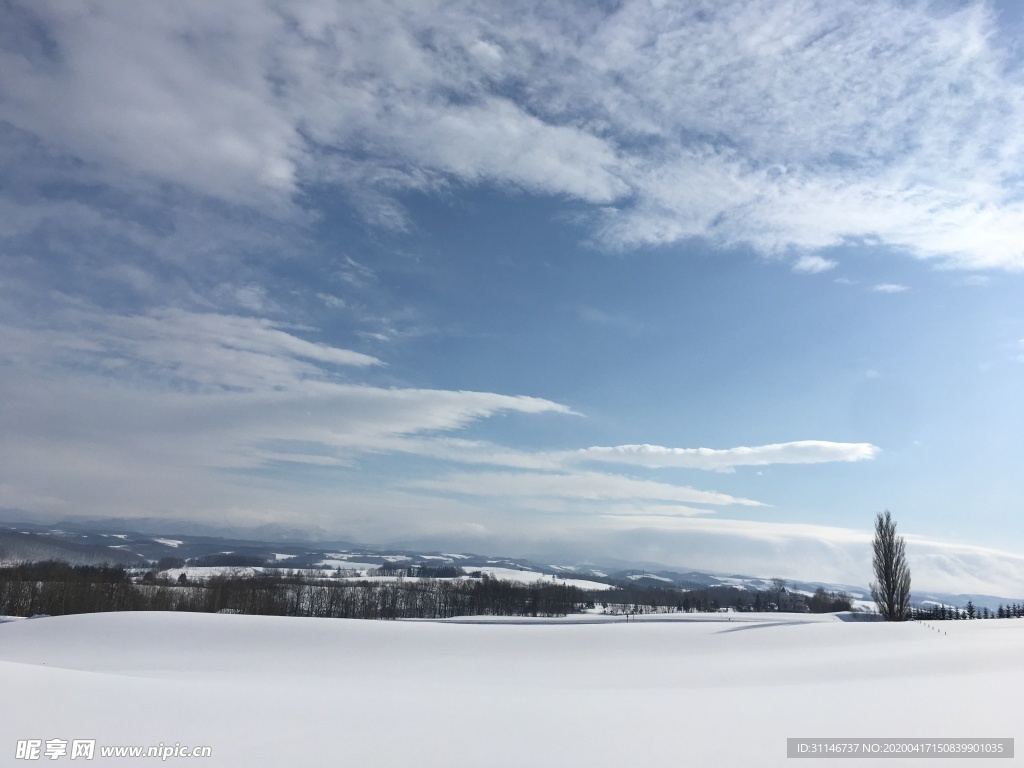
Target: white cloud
889	288
332	301
637	532
838	125
799	452
593	486
778	125
232	100
812	265
99	434
162	101
802	551
648	510
120	413
650	456
164	407
206	350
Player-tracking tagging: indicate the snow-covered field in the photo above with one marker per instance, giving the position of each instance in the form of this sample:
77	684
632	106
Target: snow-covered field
533	577
706	690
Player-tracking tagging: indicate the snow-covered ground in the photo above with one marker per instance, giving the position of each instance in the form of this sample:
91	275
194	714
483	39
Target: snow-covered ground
692	690
638	576
205	572
531	577
348	565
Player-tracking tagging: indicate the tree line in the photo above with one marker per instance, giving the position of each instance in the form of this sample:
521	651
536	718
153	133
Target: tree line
54	588
970	611
645	599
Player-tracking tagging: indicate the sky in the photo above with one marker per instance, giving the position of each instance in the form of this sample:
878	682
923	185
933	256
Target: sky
703	284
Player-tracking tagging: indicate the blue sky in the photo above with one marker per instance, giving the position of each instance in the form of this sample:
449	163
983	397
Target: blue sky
708	285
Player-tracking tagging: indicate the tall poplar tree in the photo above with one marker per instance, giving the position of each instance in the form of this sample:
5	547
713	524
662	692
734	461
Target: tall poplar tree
891	588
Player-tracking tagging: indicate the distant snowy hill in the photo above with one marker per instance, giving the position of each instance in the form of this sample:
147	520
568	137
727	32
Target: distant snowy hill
20	545
93	542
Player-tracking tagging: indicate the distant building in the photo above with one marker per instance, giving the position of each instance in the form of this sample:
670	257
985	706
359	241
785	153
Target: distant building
792	602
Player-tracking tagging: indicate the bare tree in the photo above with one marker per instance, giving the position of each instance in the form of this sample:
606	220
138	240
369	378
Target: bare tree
891	588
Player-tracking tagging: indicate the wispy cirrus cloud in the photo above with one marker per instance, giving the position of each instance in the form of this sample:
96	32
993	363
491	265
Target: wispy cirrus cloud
745	122
172	399
159	406
650	456
799	452
592	486
208	351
